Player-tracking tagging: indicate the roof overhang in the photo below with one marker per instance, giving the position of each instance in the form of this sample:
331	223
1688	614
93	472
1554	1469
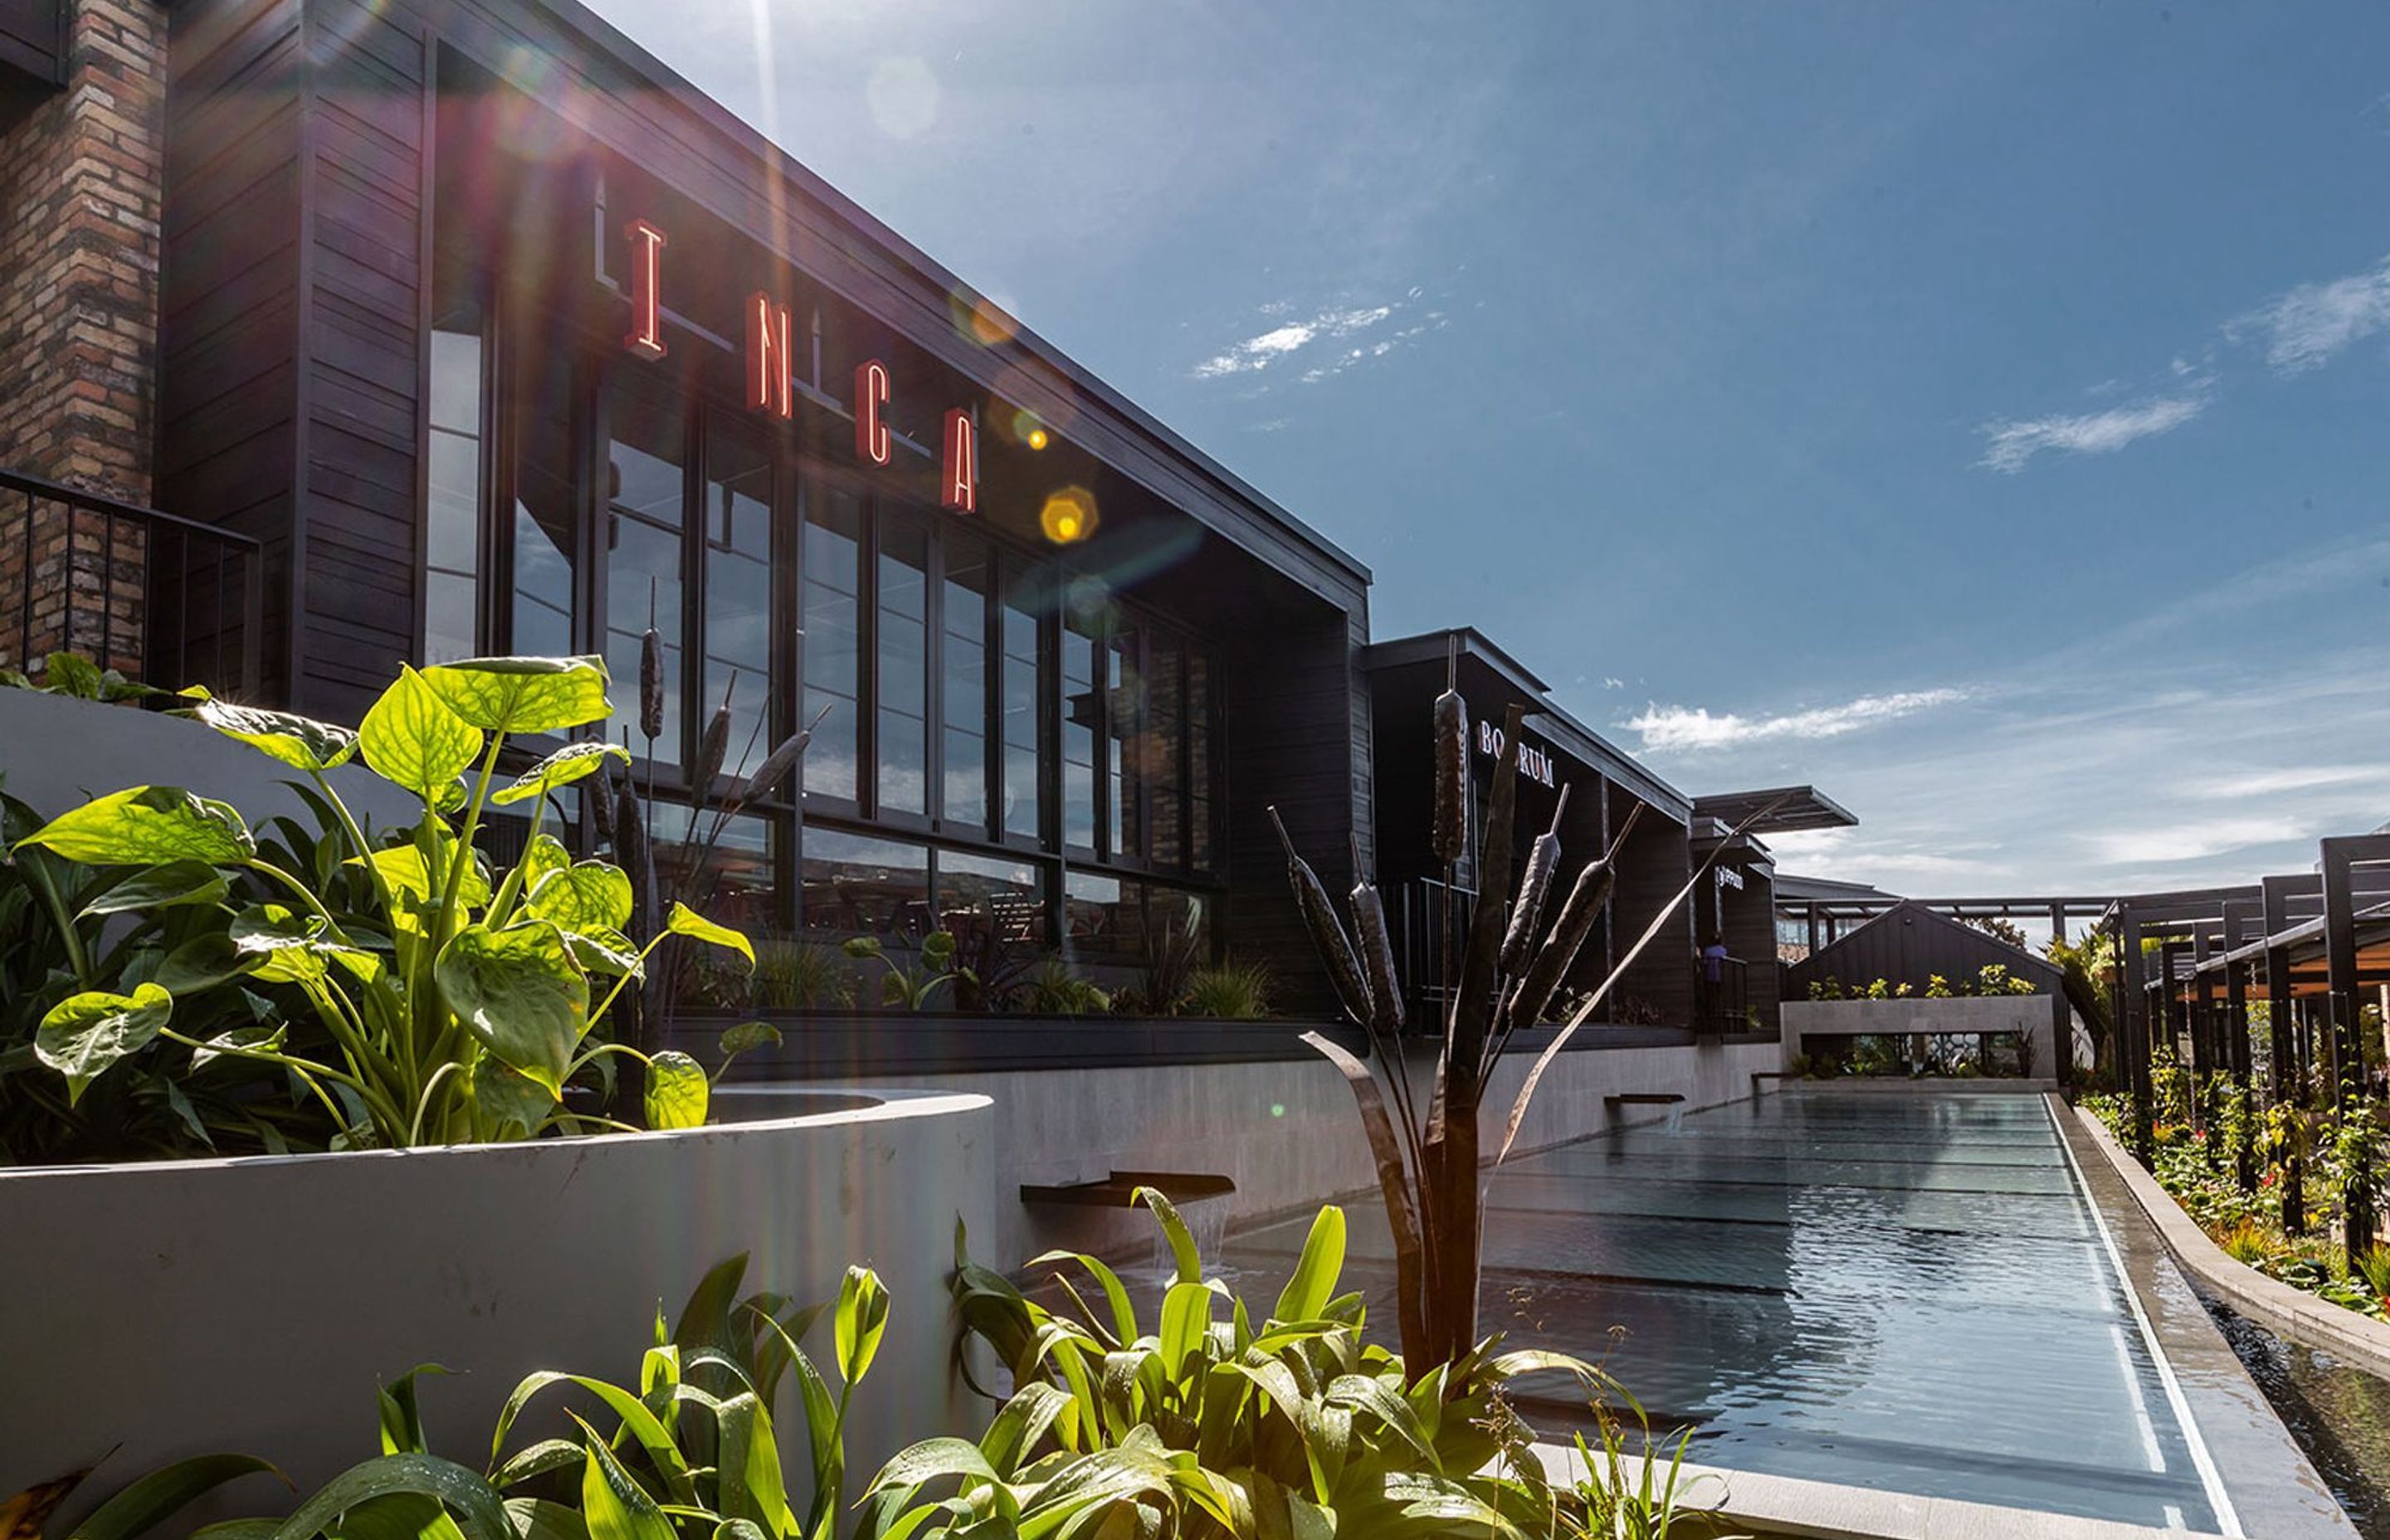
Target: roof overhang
1794	808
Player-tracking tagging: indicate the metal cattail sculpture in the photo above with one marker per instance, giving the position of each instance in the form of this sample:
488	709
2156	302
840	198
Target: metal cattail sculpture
652	686
1428	1167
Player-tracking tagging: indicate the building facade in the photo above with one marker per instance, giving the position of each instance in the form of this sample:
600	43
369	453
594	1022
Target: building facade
464	326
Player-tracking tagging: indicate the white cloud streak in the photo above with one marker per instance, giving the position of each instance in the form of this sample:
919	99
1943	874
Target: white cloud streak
1681	729
2013	445
1280	342
2314	323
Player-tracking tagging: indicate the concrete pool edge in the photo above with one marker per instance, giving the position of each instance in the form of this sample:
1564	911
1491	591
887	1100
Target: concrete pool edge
2270	1302
2271	1484
1788	1507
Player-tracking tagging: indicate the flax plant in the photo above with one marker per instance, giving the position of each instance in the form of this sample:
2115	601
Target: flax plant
1428	1148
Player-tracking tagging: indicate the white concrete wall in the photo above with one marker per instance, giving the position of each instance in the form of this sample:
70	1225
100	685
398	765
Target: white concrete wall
2025	1013
57	753
252	1305
1285	1132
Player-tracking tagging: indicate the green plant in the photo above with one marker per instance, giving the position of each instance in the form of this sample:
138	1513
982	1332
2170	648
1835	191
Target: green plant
800	975
1170	961
454	1003
1938	987
2372	1264
1232	992
1054	988
1207	1423
142	1506
1510	964
910	985
72	674
1625	1493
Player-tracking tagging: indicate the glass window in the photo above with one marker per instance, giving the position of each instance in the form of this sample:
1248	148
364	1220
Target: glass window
963	679
1024	709
544	608
1125	699
745	894
739	587
1082	716
978	897
833	640
1199	761
453	515
1161	746
903	668
646	536
857	885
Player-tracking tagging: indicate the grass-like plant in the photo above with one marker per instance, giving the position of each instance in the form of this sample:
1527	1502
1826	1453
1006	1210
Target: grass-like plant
1428	1148
1232	992
452	1003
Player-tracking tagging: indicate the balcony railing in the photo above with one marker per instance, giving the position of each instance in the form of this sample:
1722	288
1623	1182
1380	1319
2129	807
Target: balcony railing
165	600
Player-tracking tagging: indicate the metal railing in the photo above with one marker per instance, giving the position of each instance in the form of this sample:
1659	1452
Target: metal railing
1723	1005
165	600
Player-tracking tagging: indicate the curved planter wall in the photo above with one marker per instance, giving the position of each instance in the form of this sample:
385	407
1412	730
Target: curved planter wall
252	1305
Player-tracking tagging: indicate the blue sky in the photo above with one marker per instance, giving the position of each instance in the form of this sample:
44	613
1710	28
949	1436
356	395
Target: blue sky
1982	411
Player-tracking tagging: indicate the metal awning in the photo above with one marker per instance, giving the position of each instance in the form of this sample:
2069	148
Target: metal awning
1801	807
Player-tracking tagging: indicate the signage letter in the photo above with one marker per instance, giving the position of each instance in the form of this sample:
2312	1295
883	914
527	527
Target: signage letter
961	460
647	336
871	440
768	360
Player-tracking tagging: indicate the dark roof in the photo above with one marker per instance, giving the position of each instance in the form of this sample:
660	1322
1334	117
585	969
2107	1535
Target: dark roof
1545	717
1790	886
1799	807
1908	942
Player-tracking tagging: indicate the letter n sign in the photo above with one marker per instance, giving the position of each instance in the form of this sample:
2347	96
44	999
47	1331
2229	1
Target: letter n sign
961	462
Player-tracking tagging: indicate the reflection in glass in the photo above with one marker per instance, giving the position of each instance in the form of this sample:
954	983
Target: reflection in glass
979	898
1159	747
832	640
1082	716
453	515
1199	761
903	669
739	587
1024	714
857	885
963	665
544	608
745	891
645	525
1125	696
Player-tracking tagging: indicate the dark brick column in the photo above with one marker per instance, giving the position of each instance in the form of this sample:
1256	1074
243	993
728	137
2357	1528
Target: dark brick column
81	178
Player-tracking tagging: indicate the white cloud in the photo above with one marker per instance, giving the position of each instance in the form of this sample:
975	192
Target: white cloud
2273	783
1681	729
2196	841
2306	328
1258	353
2015	444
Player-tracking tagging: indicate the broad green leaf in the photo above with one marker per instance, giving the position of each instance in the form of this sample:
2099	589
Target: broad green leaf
677	1091
75	675
1182	1241
546	854
479	1513
175	883
615	1506
861	1320
402	1420
747	1035
202	963
402	869
413	738
1313	1283
236	1042
298	741
157	1496
524	695
85	1033
537	1518
591	897
518	991
1186	1322
653	1438
505	1097
686	921
608	951
561	768
932	1459
148	826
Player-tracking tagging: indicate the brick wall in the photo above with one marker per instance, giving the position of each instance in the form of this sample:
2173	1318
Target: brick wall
81	177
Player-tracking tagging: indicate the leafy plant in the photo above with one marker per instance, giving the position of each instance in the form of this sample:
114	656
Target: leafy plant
910	985
454	1003
1205	1423
142	1506
1170	960
1055	988
1232	992
76	677
800	975
1428	1153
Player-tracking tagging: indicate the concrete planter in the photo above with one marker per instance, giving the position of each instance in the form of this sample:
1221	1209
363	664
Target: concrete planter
252	1305
2034	1015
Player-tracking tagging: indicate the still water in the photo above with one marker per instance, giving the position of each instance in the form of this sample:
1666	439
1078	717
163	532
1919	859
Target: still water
1901	1292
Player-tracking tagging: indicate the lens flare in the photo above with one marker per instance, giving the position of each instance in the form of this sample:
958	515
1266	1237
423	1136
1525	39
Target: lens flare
1068	516
981	320
1035	438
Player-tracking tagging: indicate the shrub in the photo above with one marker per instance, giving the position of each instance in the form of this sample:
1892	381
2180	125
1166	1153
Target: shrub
800	975
1056	989
1233	992
452	1003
